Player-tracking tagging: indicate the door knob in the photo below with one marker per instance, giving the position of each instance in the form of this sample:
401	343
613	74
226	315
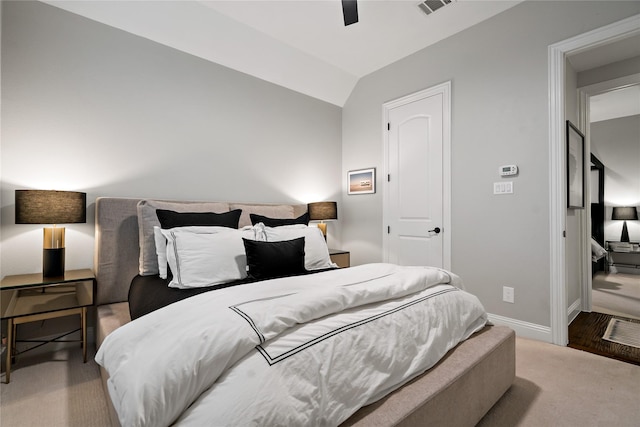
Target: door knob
435	230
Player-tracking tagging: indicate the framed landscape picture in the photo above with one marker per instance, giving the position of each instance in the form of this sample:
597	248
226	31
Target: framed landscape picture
362	181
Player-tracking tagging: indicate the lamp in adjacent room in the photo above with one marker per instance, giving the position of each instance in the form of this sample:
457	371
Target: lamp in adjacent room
627	213
51	207
323	211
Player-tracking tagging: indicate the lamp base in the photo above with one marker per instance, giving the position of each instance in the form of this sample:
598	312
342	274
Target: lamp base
53	262
323	227
625	233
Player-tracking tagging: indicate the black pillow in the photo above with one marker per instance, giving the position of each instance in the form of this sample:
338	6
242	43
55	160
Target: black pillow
277	222
171	219
268	260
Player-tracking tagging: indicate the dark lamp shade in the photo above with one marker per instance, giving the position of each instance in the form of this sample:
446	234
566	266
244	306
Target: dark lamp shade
321	211
50	207
625	213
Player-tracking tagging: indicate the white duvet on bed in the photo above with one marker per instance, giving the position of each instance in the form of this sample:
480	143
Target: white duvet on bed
307	350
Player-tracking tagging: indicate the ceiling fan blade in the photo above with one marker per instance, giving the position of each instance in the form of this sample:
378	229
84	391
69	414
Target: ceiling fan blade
350	11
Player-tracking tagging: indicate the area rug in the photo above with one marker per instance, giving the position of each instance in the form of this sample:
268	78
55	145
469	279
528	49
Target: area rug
623	332
586	331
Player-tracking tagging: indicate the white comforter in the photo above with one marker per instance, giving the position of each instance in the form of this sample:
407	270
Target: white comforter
308	350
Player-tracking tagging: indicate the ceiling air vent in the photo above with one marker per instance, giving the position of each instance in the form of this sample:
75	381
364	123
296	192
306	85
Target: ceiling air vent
430	6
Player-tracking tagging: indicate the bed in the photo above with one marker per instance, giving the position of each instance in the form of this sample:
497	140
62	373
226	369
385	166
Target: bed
457	389
598	252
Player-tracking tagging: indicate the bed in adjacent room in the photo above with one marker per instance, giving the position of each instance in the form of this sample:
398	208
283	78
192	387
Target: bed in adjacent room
216	313
598	251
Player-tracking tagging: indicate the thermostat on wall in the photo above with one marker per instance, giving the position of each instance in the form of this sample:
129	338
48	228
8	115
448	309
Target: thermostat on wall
508	170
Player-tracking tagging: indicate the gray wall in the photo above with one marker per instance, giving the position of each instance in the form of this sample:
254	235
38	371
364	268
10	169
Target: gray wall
90	108
609	71
500	113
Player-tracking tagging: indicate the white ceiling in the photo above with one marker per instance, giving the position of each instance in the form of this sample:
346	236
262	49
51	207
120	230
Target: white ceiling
386	32
299	44
617	103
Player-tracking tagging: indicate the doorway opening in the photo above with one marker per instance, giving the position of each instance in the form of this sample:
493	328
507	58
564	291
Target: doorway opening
616	108
557	253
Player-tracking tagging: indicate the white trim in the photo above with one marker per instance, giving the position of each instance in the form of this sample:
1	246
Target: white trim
557	197
575	309
587	274
445	90
523	329
557	210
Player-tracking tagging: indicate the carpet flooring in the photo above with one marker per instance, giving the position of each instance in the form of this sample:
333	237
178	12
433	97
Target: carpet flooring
617	294
586	331
562	387
554	386
54	389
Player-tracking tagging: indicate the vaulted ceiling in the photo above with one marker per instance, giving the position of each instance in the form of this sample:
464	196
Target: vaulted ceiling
299	44
304	45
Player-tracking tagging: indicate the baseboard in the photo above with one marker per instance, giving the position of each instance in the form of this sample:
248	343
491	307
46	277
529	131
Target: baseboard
574	310
524	329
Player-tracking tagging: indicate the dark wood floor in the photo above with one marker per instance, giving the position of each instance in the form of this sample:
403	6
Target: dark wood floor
586	331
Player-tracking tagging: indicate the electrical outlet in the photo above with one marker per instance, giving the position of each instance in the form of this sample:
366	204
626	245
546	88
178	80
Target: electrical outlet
508	294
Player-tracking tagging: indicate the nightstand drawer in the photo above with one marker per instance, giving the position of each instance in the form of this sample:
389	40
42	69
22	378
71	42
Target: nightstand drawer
342	258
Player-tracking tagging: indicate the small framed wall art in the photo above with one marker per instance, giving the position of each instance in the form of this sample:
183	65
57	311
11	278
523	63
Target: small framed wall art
575	167
361	181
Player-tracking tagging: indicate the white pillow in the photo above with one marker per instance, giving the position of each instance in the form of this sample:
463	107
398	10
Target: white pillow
597	251
161	242
161	251
205	259
316	253
147	219
259	232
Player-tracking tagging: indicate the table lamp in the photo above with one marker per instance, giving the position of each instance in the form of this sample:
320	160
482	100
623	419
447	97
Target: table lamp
624	213
51	207
323	211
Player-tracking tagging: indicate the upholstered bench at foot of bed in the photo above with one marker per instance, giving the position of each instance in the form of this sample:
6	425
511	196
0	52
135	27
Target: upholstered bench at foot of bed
109	318
460	389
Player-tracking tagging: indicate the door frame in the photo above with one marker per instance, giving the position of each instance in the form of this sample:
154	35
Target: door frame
445	90
557	210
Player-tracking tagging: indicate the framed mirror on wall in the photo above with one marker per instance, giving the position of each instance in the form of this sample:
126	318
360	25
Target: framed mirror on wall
575	167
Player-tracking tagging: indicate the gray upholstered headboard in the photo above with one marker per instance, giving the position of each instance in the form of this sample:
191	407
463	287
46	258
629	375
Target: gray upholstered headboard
117	246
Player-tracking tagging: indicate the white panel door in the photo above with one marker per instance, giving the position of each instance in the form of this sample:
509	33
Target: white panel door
415	188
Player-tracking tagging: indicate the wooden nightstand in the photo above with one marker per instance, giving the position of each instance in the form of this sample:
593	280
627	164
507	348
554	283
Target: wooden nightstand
342	258
30	297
